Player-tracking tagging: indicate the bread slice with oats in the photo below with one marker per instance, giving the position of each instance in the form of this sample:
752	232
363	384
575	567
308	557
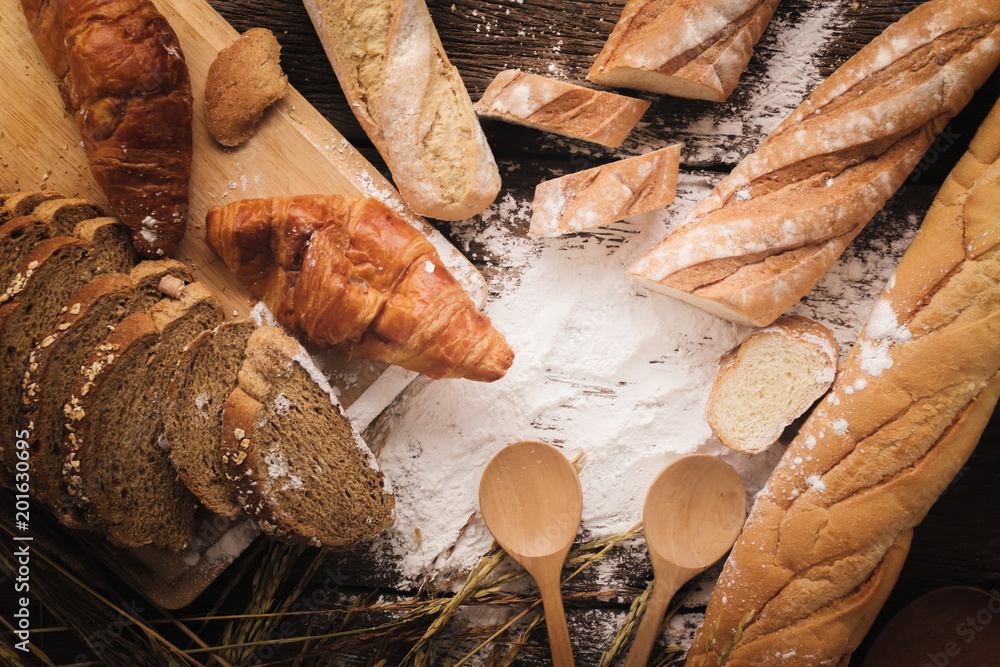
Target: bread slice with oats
192	413
116	465
292	457
54	362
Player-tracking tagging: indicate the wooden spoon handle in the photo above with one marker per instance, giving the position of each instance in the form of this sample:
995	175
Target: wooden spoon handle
555	621
649	629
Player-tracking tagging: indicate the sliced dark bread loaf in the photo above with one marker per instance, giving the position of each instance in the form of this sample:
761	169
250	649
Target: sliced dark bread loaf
112	242
192	413
52	217
18	237
117	466
16	204
292	458
49	275
64	214
55	361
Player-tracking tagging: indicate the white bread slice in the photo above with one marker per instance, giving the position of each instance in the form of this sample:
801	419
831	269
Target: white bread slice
769	381
560	107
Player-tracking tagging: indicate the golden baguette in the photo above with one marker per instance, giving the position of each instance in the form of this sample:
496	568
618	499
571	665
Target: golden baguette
411	101
768	231
828	535
686	48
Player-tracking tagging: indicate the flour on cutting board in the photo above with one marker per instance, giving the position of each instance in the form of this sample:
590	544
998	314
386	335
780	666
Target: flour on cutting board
602	367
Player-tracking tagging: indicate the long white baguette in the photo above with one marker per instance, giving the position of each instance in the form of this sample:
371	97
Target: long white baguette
411	101
686	48
827	537
768	231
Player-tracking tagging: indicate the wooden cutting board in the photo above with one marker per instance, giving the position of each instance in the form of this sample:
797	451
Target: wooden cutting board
295	151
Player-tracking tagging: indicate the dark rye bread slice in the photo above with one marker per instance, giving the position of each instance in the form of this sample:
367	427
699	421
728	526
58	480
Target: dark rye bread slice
18	237
112	242
16	204
117	466
54	362
52	217
192	413
291	456
49	275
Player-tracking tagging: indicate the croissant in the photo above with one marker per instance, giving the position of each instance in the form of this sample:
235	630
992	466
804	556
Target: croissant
354	277
123	77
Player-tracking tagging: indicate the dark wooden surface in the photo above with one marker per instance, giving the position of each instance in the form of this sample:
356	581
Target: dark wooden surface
959	543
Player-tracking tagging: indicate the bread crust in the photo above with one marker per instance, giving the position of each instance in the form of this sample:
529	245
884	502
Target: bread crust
767	232
908	408
124	80
411	102
686	48
560	107
605	194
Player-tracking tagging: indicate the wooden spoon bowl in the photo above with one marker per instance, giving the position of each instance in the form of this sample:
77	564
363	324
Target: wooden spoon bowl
694	511
532	502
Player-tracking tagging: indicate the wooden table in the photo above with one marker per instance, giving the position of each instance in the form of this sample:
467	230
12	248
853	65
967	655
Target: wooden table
959	543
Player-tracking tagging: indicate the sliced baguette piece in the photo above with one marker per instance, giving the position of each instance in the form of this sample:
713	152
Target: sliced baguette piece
192	412
605	194
560	107
117	467
54	362
290	455
769	381
686	48
828	535
411	101
769	230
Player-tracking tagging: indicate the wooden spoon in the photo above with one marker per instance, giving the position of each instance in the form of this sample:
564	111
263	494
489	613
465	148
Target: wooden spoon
532	502
694	511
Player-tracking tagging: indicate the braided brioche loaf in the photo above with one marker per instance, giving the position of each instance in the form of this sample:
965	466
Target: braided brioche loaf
768	231
829	534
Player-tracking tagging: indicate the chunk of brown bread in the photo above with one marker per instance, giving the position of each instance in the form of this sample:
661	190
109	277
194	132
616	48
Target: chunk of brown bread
192	413
243	81
292	457
56	359
769	381
117	466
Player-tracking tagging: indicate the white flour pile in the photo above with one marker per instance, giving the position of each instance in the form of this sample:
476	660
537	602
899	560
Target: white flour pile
602	366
